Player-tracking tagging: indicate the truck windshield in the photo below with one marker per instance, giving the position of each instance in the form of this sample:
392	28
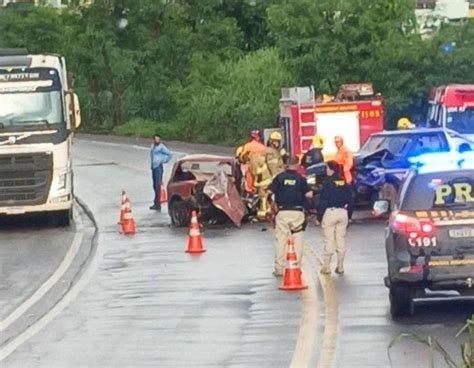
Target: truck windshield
461	119
30	109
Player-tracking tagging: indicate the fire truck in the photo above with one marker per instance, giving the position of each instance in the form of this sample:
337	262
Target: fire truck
452	107
354	113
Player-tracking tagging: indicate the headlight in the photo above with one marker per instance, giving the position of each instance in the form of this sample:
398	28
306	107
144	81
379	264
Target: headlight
61	182
311	180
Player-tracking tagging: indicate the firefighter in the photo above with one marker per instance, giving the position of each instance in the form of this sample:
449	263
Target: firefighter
263	179
335	200
345	159
249	156
276	155
315	154
291	191
405	123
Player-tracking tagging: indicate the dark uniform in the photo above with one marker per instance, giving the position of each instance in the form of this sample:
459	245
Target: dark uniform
335	199
291	190
312	157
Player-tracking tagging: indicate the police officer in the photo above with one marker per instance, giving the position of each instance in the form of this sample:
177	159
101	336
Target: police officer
335	199
290	192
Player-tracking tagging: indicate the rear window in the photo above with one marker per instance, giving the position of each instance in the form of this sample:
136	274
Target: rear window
447	190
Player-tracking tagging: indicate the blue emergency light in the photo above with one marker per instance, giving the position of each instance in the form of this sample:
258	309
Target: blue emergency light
443	161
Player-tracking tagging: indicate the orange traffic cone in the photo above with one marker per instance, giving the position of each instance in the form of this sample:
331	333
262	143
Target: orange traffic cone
129	226
195	243
122	207
292	275
163	195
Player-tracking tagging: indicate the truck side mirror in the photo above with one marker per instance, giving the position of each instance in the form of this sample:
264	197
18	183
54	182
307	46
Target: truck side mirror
381	208
77	112
74	110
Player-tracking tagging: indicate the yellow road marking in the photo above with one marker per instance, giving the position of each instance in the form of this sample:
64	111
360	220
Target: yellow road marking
309	320
331	320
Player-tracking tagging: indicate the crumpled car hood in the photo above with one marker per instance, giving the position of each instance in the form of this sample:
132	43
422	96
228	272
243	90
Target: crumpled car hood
224	196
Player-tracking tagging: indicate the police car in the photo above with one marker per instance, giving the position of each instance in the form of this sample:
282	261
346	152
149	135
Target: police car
430	233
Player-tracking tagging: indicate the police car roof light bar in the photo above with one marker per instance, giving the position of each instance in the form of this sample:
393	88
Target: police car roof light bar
443	161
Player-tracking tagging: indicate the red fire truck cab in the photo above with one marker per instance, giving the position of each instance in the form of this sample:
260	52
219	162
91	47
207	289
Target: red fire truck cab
355	113
452	107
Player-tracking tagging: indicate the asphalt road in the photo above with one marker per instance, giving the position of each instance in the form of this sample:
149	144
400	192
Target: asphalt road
141	301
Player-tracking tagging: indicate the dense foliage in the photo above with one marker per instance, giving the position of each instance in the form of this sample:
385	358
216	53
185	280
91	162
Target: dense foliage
210	70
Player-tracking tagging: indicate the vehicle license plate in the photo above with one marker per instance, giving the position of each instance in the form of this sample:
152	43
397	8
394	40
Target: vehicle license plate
461	233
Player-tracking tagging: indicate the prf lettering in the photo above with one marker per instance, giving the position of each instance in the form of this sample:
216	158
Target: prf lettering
289	182
462	193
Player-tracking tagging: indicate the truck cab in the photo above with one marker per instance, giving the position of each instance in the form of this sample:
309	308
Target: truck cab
38	115
452	107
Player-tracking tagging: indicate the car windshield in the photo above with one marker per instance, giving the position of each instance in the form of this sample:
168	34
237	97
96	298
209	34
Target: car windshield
396	144
446	190
461	120
30	108
406	144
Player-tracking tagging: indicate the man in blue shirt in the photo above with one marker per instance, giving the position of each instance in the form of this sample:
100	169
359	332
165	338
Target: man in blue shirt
290	191
160	155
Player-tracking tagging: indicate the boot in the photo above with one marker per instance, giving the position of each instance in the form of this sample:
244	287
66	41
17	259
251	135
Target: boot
325	268
340	266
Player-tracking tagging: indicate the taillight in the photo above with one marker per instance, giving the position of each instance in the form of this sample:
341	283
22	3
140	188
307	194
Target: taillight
412	227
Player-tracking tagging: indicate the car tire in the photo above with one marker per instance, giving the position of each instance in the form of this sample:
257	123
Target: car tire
401	300
179	213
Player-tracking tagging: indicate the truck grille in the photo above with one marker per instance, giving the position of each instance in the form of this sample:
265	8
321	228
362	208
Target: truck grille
25	179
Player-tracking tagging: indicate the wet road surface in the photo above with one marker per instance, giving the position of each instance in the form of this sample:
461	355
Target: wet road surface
143	302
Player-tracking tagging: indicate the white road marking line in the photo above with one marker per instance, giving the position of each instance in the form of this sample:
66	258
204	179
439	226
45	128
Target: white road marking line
32	330
308	328
331	318
308	323
50	282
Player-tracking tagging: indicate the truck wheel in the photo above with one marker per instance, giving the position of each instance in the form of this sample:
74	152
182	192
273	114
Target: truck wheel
401	300
179	213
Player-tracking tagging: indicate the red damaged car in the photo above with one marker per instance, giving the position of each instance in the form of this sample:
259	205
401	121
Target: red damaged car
206	183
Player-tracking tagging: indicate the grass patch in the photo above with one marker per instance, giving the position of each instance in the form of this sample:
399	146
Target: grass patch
147	128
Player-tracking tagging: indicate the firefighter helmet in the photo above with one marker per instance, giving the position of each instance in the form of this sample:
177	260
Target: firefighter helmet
276	136
318	141
405	123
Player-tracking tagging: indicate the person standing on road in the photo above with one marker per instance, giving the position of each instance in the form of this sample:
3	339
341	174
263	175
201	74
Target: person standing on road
345	159
276	155
335	199
160	155
315	154
290	191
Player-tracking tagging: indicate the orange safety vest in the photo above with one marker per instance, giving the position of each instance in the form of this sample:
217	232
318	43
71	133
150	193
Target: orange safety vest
252	148
345	159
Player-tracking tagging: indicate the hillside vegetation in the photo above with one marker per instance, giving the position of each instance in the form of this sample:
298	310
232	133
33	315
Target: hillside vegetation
211	70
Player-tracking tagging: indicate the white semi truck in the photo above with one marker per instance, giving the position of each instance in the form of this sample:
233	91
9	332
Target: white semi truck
39	113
